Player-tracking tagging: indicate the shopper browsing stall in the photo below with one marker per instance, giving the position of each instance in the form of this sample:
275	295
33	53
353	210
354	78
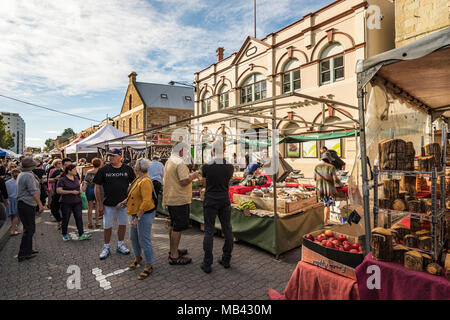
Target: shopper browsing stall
326	182
217	174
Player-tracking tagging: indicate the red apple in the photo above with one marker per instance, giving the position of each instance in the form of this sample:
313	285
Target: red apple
317	241
324	242
329	233
355	246
354	250
323	235
320	238
342	238
329	244
346	242
331	238
336	243
347	247
310	237
341	249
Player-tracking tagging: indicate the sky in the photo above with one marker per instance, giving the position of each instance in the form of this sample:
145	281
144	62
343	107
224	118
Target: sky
75	56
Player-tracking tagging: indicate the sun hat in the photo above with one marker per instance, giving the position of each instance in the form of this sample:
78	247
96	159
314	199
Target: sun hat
28	164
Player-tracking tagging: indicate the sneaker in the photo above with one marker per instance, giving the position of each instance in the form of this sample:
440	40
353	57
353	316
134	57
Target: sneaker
206	268
66	237
84	236
105	254
122	250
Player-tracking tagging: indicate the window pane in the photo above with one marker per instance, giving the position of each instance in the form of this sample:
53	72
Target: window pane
249	94
325	77
339	61
325	65
297	84
338	73
286	87
296	75
263	85
243	95
226	100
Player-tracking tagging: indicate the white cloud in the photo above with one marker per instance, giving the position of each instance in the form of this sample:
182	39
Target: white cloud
77	47
34	139
51	131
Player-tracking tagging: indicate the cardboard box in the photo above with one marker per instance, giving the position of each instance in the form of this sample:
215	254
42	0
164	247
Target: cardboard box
282	205
340	262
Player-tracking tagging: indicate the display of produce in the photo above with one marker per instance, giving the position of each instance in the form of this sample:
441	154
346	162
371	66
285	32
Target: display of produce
328	239
249	205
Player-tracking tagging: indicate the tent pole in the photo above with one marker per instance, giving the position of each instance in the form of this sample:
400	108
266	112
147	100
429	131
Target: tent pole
362	137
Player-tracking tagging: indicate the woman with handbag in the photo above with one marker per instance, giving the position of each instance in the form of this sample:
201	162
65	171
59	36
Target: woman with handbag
88	188
69	189
141	209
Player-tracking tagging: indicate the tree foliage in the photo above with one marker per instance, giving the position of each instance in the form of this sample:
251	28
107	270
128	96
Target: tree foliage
68	131
6	137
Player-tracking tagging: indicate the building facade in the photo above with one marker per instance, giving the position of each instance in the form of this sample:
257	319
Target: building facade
415	19
148	105
315	56
16	125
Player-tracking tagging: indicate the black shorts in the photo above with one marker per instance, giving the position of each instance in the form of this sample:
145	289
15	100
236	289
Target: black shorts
179	217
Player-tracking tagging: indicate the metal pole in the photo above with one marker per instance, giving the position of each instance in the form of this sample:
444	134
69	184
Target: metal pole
365	186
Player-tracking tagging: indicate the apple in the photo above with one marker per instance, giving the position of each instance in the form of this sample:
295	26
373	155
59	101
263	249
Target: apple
342	238
355	246
329	233
341	249
317	241
346	242
347	247
310	237
320	238
331	238
324	242
323	235
354	250
329	244
336	243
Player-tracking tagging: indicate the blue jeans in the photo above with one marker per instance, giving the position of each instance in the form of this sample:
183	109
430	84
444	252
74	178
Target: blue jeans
141	236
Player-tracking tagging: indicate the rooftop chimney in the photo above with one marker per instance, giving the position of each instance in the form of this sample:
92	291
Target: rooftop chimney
132	77
220	54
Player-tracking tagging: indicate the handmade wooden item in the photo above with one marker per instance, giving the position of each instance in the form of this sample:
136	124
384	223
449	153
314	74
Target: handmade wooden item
391	154
399	205
402	231
424	243
426	260
413	261
426	164
426	206
391	189
410	153
414	206
385	203
410	241
423	233
399	253
434	269
421	184
434	150
382	247
416	224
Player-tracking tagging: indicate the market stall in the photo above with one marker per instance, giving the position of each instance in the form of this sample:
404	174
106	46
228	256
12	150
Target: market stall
405	221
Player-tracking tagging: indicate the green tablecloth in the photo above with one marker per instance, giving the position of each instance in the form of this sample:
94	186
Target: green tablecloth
260	231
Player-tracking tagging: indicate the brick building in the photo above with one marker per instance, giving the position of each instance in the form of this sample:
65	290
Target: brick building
148	105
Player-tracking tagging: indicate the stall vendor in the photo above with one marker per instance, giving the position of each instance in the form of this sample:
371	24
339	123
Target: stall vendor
326	182
253	168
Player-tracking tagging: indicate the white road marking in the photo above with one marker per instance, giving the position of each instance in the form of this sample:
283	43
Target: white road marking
105	284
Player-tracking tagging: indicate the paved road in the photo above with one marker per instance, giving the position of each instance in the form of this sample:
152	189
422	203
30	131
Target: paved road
253	271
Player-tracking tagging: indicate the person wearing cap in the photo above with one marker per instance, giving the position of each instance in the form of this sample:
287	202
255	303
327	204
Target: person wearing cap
177	196
156	174
28	198
114	178
326	181
336	161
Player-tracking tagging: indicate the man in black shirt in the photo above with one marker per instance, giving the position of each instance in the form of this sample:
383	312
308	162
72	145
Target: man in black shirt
55	206
217	174
115	178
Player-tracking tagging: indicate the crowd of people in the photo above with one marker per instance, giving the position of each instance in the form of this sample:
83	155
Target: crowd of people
118	192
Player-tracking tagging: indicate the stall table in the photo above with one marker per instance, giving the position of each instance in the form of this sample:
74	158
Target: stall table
260	231
399	283
310	282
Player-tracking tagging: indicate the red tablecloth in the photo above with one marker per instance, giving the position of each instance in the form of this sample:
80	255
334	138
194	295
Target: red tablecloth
399	283
309	282
243	189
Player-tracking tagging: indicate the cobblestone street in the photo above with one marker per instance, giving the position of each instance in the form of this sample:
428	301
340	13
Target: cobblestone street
252	273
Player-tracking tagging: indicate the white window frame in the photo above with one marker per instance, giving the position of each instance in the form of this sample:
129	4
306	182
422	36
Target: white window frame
329	56
249	88
206	103
224	97
289	72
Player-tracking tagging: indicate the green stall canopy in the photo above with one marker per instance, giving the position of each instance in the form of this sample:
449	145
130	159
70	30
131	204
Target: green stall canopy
317	136
304	138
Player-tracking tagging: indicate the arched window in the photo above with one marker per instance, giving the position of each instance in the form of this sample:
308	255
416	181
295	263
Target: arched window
332	63
253	88
131	125
223	97
123	125
291	76
206	102
129	102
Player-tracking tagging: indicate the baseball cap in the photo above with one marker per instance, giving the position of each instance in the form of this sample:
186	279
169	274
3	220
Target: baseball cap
115	152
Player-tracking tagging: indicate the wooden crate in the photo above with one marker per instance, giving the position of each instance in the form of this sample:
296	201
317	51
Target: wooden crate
282	205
